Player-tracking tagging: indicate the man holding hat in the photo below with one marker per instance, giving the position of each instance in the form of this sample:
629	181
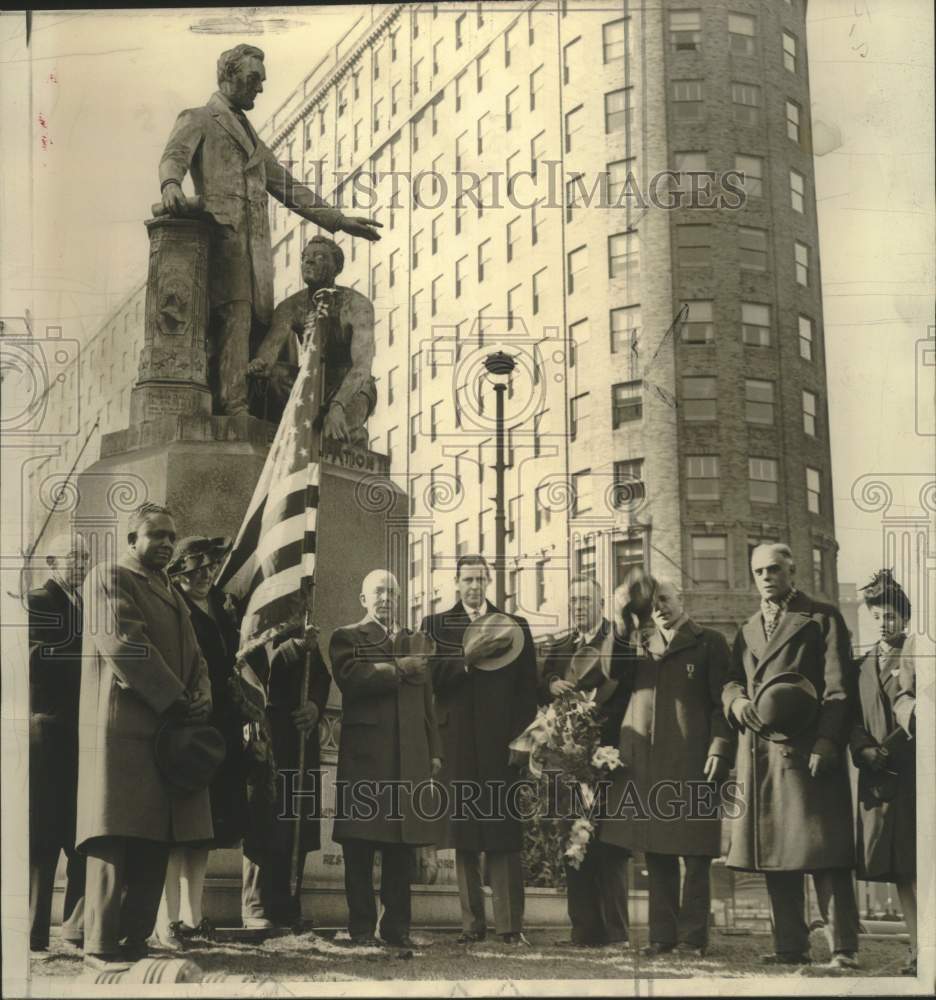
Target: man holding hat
141	667
594	656
484	676
389	737
789	692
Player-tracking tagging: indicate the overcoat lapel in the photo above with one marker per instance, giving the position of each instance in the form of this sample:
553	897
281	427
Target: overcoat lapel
754	638
688	635
790	624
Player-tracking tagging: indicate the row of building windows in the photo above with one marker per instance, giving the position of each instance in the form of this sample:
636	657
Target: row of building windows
699	404
710	562
623	263
702	484
688	102
685	35
693	244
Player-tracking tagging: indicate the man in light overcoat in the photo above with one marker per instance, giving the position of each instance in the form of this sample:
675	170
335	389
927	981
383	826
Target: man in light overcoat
141	664
795	797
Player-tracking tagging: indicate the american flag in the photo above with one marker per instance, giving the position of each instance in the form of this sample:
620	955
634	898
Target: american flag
270	569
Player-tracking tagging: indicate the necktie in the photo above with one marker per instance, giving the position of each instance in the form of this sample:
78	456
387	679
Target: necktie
771	613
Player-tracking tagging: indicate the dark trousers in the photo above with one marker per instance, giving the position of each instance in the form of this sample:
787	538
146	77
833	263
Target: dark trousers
42	865
397	864
674	920
505	871
597	895
124	883
265	890
835	890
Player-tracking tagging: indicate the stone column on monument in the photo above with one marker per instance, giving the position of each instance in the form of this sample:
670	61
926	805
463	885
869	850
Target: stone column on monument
172	377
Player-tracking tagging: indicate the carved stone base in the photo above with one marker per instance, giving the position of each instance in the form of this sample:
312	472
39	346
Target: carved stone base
154	400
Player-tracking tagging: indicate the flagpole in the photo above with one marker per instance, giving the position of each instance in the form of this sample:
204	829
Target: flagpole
308	632
322	303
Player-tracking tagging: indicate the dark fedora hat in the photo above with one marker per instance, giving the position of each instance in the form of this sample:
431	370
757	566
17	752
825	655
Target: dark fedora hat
500	626
196	551
188	754
787	704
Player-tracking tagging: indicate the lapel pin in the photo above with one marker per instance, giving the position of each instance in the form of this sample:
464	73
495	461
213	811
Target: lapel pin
690	670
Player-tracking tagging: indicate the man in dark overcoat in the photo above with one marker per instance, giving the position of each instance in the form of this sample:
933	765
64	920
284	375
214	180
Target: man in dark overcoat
388	754
479	713
55	628
233	171
141	665
675	747
267	898
885	757
795	798
596	891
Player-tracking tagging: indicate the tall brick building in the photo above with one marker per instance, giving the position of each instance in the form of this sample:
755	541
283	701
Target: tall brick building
670	406
682	444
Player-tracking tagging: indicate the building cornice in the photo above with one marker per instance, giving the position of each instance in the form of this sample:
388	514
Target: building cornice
340	70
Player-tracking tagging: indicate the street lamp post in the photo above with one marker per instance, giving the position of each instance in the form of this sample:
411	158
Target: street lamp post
499	364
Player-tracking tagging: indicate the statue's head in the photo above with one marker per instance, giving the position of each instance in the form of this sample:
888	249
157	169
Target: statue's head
241	75
322	261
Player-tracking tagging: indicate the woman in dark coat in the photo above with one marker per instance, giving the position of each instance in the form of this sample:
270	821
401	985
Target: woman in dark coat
884	756
193	572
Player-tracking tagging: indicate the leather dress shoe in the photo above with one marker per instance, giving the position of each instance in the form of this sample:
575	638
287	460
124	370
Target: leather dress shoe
842	960
513	939
133	951
655	948
402	942
203	934
693	950
259	924
107	963
174	937
364	941
469	937
786	958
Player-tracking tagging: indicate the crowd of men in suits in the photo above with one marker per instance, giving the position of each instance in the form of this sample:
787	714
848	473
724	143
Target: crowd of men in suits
436	710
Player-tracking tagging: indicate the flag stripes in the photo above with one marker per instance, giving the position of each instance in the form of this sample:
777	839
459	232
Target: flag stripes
273	559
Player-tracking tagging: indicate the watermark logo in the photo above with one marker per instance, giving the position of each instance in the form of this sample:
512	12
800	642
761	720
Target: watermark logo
33	369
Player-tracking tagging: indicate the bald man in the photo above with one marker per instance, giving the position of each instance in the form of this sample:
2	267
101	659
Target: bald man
389	737
55	630
796	814
674	738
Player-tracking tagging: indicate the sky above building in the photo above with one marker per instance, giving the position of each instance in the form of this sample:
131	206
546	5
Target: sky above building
87	107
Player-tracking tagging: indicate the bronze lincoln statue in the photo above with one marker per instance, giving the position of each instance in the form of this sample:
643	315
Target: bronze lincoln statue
233	171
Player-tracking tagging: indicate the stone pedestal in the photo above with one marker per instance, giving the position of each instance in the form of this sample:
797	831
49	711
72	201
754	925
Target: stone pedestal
173	364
